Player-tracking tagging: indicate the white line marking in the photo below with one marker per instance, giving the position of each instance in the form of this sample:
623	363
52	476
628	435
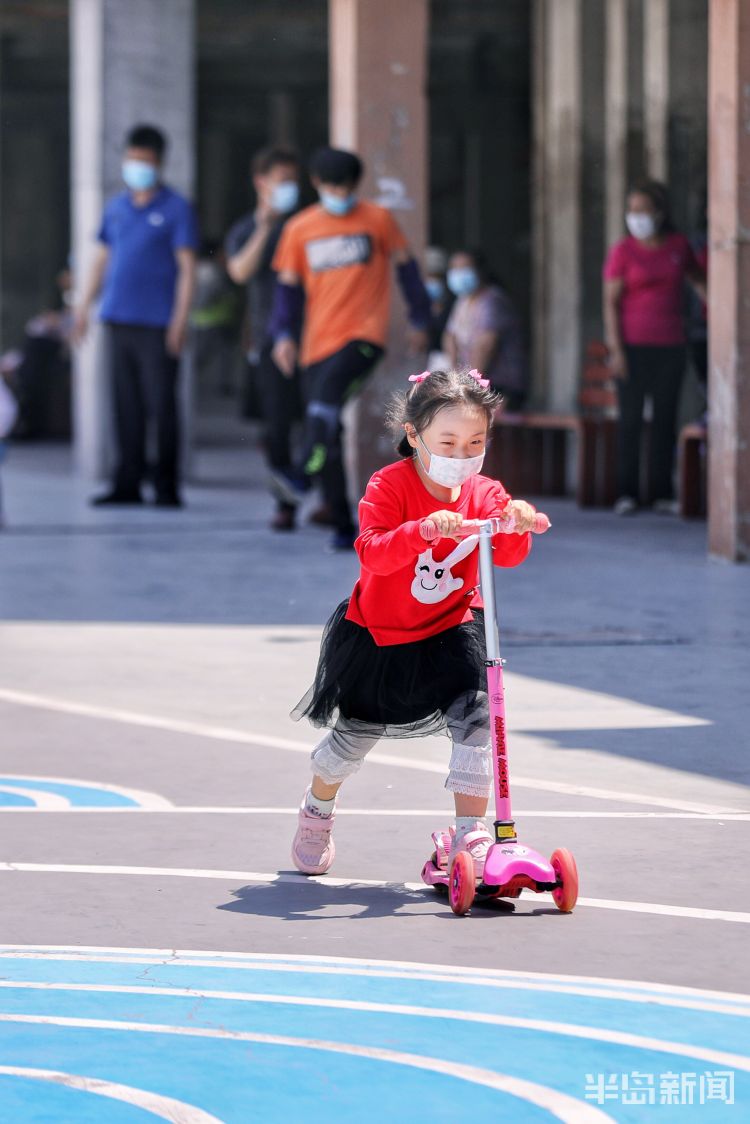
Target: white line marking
441	814
348	1004
482	1077
153	721
242	737
620	797
411	889
166	1108
349	965
565	1108
149	801
43	801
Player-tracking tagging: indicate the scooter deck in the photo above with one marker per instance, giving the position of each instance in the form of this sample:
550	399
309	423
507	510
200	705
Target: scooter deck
437	877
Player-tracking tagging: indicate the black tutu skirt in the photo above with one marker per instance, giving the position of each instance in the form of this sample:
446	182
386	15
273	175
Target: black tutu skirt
397	690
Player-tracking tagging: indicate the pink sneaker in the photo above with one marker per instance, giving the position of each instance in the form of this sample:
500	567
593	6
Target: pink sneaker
477	842
313	849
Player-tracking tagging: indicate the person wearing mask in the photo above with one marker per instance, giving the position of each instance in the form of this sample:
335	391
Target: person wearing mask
441	303
144	268
250	246
483	331
333	263
644	278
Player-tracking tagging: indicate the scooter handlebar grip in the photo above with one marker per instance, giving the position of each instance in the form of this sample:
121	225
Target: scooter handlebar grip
504	526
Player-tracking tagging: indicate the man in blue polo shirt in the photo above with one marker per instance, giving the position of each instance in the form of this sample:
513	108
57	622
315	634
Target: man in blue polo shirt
144	269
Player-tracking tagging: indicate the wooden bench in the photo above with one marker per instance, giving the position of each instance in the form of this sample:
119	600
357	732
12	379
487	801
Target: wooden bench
530	450
596	485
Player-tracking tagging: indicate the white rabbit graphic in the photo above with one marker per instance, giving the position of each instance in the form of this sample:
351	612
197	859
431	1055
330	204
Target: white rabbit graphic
433	581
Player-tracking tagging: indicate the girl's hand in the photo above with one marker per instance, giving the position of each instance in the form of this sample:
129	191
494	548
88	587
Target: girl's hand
446	523
523	514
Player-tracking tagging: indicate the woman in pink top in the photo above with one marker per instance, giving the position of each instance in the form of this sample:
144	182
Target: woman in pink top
644	279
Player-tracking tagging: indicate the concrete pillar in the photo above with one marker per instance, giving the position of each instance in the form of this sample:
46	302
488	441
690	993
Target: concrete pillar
557	204
539	336
2	341
130	62
729	290
377	84
616	117
656	87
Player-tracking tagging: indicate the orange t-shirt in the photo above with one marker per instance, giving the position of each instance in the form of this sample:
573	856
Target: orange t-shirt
343	262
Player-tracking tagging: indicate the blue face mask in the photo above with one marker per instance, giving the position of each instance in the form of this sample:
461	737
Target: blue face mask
139	176
463	280
336	204
435	288
285	196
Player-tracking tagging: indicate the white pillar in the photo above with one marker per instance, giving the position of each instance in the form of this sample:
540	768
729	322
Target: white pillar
656	87
616	117
557	210
130	62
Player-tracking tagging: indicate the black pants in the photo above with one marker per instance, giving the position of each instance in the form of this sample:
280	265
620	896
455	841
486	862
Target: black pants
327	386
699	356
144	377
655	372
281	405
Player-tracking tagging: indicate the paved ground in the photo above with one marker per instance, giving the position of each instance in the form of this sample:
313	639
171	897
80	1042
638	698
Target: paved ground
150	776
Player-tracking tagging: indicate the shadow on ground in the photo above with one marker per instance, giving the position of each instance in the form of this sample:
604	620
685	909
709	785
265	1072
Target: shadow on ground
314	901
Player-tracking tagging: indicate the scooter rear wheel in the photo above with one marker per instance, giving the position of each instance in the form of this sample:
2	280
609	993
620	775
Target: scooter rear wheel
461	883
564	866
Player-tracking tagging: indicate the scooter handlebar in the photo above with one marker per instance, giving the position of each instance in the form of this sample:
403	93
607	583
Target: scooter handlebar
499	525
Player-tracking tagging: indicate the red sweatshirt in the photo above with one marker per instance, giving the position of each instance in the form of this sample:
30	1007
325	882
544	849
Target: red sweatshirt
409	589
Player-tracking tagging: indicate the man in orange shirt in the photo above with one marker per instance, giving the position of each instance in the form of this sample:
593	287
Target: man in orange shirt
333	276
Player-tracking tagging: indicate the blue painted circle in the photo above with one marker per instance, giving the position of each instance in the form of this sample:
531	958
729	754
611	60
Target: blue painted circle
15	800
254	1037
80	796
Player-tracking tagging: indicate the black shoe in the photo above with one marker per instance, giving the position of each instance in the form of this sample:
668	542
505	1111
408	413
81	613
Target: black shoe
341	541
167	499
284	519
322	516
116	499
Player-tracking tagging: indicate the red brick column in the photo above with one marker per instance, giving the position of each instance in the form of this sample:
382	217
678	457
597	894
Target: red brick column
729	266
378	56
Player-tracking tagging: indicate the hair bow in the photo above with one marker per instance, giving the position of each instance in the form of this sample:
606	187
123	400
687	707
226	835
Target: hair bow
474	374
420	378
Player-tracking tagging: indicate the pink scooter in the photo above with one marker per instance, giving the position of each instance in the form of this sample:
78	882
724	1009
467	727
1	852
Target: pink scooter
509	867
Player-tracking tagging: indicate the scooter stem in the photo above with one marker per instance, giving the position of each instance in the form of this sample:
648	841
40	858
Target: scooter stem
504	826
487	580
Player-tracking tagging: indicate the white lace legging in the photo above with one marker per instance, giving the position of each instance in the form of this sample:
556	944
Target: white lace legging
340	752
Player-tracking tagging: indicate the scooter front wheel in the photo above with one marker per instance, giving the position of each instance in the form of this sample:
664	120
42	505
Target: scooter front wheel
461	883
564	866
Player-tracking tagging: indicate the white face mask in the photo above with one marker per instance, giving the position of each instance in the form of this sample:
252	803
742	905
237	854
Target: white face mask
285	196
450	472
640	225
